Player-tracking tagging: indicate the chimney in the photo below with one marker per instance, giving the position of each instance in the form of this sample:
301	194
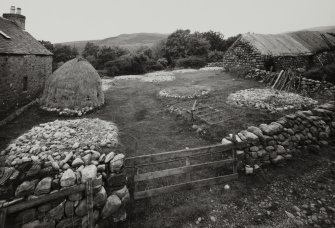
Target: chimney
17	18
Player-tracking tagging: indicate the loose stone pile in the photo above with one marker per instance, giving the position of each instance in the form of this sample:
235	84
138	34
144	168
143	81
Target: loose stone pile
184	92
61	154
69	112
280	140
270	99
54	140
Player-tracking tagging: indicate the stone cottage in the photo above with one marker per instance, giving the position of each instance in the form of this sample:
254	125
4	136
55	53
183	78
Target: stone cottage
302	49
24	63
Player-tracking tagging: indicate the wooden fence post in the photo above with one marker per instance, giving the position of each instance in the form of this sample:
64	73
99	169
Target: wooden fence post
89	198
3	214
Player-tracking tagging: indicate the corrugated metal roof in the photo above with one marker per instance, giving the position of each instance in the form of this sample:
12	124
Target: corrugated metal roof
290	44
20	42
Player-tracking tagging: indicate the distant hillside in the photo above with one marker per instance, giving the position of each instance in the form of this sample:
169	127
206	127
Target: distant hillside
129	41
330	29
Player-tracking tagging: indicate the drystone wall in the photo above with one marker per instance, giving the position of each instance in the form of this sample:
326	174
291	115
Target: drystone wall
110	193
18	72
324	58
60	155
289	136
241	54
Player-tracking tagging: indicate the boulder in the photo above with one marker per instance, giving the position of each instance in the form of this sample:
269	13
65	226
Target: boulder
256	131
57	212
109	157
69	209
100	198
251	137
81	209
116	164
44	186
280	149
87	159
226	142
88	172
68	178
278	159
76	196
113	203
77	162
123	194
271	129
26	188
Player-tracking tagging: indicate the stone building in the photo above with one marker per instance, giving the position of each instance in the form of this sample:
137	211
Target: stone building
302	49
24	63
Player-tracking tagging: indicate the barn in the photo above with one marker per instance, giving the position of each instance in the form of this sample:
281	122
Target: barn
24	63
302	49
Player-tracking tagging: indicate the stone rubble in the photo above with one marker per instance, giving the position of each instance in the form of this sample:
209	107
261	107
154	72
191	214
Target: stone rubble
63	154
182	92
270	100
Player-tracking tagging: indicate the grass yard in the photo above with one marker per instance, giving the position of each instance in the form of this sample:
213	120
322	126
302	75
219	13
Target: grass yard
140	114
147	127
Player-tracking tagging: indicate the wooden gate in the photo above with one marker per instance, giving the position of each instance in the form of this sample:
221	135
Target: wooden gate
186	163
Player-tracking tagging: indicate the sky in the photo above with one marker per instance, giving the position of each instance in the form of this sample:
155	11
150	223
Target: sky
72	20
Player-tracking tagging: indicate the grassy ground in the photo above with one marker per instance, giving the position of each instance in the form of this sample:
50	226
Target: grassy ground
252	201
146	127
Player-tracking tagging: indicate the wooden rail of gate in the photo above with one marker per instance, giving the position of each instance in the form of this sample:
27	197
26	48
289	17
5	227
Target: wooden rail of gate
17	206
138	162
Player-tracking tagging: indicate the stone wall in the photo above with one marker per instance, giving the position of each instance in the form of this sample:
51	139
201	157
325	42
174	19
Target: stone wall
13	70
289	136
326	57
241	54
110	194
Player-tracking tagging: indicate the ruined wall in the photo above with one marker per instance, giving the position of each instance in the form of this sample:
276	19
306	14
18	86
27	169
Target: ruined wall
241	54
13	70
289	136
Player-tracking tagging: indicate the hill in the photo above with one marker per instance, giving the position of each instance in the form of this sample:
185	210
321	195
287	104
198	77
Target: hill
129	41
330	29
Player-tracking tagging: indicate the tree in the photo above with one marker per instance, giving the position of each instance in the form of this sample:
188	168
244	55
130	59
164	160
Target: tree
182	43
48	45
90	50
197	45
63	53
176	45
215	39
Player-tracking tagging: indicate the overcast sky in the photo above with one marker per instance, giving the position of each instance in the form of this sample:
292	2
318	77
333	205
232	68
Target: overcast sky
69	20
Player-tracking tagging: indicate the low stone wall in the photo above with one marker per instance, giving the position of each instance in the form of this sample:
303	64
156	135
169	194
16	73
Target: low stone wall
34	180
61	155
287	137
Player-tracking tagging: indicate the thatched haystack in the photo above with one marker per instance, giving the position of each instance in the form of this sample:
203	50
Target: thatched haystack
74	88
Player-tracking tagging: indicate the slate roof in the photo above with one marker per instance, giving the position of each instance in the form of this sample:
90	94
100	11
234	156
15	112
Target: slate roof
20	42
291	44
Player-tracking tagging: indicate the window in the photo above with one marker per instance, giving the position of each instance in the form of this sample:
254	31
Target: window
25	83
4	35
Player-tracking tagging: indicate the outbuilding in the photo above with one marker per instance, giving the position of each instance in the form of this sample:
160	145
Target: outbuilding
302	49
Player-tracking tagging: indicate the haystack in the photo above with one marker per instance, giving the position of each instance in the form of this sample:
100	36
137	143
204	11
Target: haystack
74	88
